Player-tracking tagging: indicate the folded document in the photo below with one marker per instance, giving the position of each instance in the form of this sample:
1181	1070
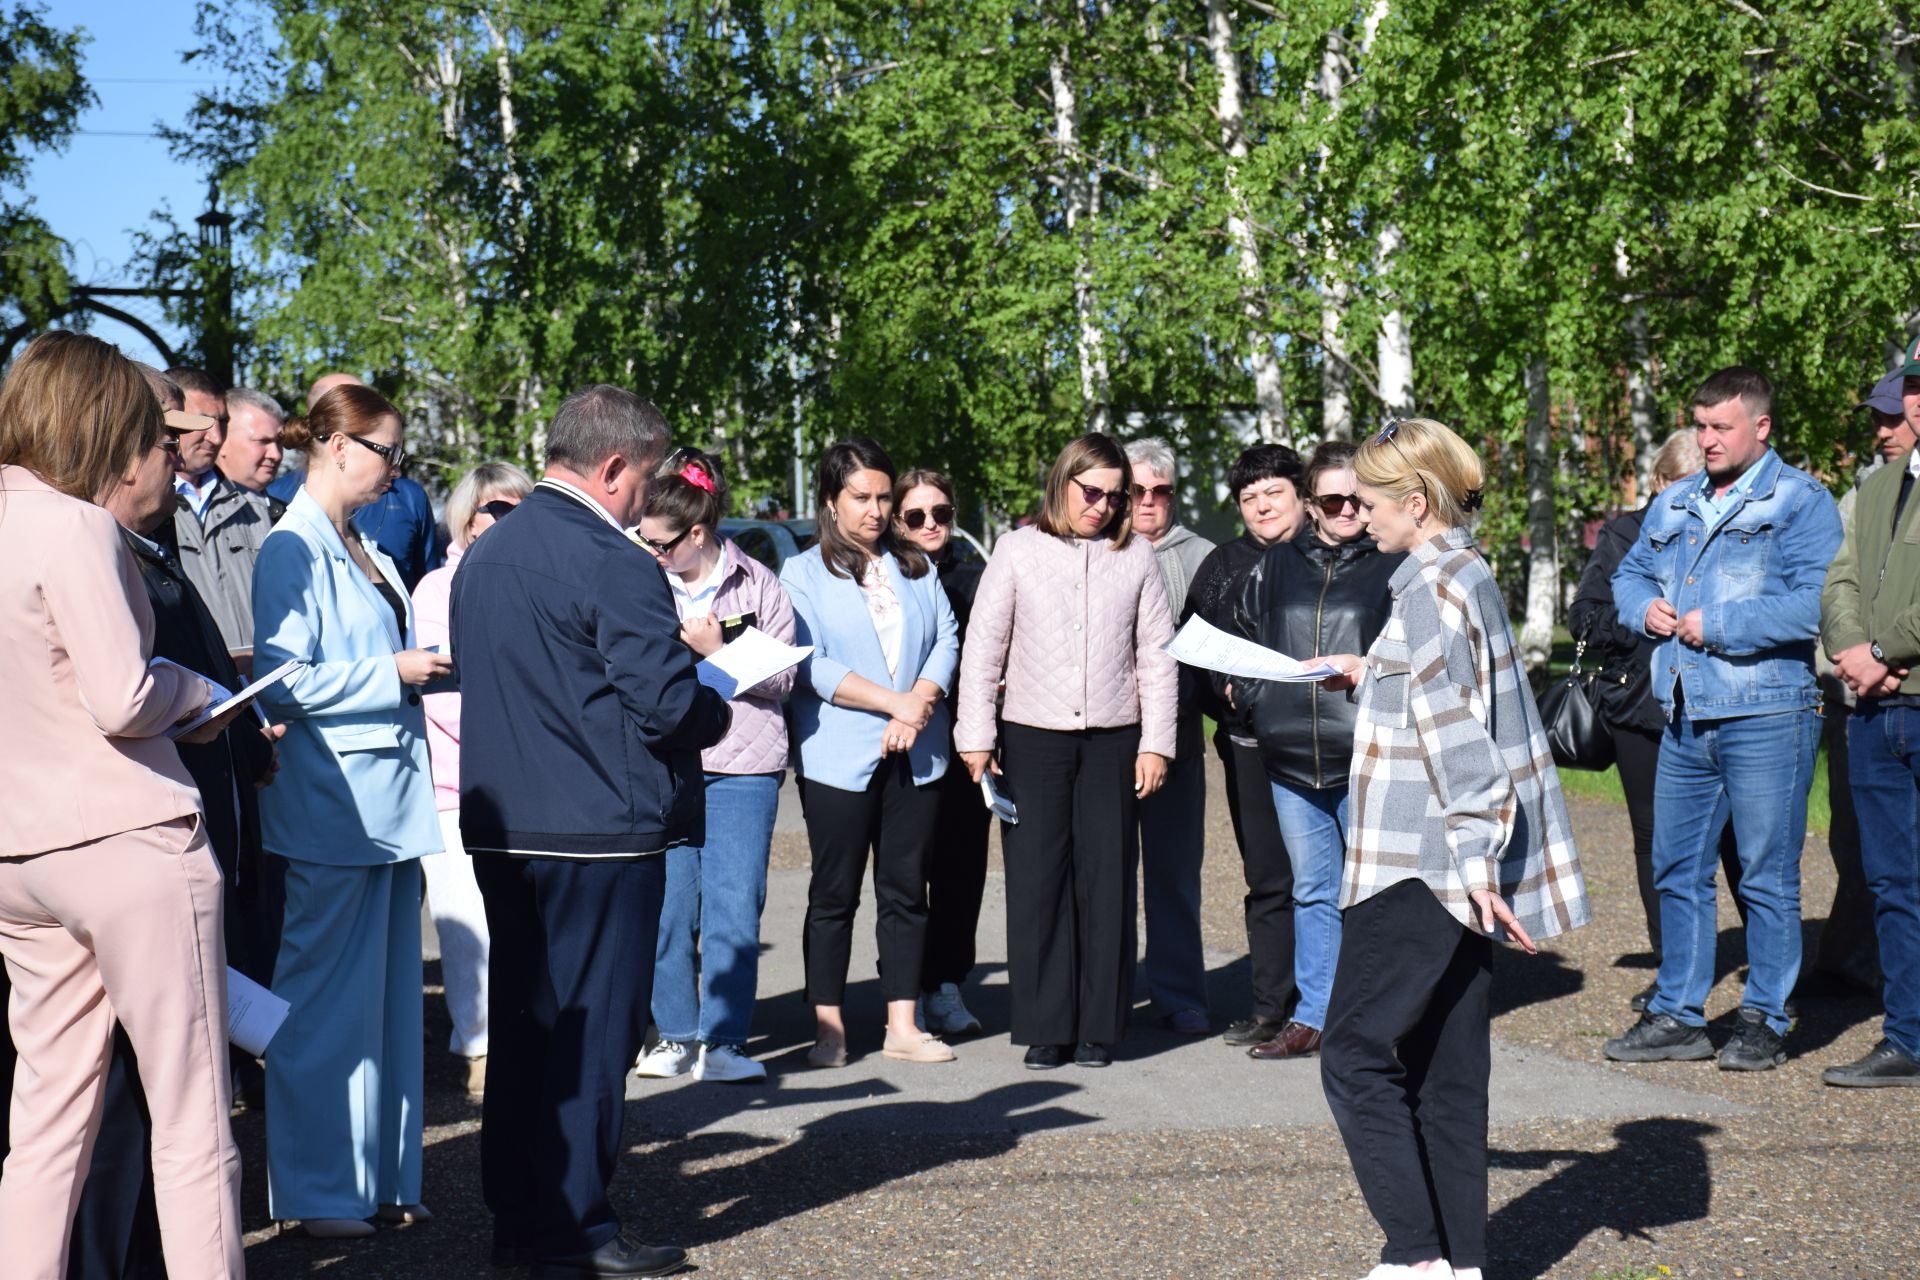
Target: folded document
1200	644
744	662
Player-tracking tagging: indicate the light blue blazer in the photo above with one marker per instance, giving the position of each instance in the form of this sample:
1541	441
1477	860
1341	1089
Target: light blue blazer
353	788
840	746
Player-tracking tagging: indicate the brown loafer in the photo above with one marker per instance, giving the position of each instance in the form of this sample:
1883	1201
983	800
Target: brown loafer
1294	1041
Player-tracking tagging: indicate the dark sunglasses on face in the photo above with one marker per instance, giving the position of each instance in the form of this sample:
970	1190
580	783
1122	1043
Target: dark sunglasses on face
1334	503
660	548
1094	495
498	508
941	514
1158	492
395	454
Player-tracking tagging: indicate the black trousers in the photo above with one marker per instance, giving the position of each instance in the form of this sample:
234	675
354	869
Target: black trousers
567	1007
1070	865
1269	872
1638	756
1849	947
895	820
956	879
1405	1064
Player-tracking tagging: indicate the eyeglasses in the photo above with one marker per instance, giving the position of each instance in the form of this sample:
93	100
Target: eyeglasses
395	454
941	514
498	508
1158	492
1334	503
1386	436
169	442
1094	495
659	548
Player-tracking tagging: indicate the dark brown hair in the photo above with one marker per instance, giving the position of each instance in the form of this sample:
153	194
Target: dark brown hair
678	500
76	413
1331	455
349	409
1091	452
1749	386
843	557
917	477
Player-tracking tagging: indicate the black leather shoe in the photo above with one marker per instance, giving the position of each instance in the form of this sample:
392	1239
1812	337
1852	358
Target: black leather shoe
1092	1055
621	1256
1045	1057
1251	1031
1660	1037
1886	1067
1755	1045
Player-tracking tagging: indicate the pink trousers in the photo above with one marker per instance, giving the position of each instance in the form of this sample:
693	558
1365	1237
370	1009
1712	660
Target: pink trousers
128	928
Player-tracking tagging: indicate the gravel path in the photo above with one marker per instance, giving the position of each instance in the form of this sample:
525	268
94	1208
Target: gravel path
1769	1175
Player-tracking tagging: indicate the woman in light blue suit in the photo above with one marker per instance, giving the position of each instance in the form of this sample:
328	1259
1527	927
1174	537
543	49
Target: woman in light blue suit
870	719
352	812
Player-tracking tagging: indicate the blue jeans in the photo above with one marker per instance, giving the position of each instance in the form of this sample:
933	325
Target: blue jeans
1756	768
714	897
1883	749
1313	824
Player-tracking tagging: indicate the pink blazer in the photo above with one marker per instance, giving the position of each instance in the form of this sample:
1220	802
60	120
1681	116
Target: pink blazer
83	754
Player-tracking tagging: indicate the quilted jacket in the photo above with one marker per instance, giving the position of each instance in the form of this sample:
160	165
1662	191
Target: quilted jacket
1079	631
757	743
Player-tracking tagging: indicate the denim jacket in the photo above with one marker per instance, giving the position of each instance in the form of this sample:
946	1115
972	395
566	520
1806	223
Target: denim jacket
1755	578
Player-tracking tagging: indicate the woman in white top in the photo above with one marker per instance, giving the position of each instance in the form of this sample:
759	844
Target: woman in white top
870	720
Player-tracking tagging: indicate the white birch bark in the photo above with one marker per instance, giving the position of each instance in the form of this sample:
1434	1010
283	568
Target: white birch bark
529	390
1395	348
1269	393
1336	374
1543	569
1080	193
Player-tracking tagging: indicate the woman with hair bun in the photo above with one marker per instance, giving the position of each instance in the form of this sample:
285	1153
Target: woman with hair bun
710	920
1458	836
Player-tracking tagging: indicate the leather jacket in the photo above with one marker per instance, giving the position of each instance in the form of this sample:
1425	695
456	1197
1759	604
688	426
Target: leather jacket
1303	598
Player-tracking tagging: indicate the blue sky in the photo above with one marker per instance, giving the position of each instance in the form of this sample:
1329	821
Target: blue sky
105	185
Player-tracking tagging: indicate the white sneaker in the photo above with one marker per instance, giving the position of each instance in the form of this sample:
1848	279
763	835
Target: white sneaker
665	1060
947	1014
727	1064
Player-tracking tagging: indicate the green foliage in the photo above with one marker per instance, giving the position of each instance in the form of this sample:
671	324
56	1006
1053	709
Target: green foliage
42	94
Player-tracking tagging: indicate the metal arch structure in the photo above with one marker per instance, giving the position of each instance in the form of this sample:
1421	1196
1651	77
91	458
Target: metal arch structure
89	298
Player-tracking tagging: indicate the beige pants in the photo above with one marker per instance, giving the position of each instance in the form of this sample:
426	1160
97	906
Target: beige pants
127	927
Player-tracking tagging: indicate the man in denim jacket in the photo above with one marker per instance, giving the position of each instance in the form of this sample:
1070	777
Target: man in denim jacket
1726	577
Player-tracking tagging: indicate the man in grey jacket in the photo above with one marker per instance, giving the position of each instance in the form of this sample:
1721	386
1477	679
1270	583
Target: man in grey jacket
1173	821
218	527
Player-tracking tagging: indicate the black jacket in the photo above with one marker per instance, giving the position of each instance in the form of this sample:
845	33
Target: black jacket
960	579
1215	590
1305	598
1621	656
582	718
228	768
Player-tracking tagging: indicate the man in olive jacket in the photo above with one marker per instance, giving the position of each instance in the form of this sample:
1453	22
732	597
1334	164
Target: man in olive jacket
1870	626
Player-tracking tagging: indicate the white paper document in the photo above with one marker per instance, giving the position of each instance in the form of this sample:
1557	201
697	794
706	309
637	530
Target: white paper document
253	1013
224	701
749	658
1201	644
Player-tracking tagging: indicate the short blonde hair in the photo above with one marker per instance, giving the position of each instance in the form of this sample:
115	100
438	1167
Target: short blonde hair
1417	455
1679	455
484	483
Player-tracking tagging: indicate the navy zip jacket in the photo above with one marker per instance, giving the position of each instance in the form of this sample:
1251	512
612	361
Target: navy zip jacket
581	720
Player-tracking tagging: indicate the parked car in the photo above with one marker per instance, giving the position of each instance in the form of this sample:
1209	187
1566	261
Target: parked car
771	542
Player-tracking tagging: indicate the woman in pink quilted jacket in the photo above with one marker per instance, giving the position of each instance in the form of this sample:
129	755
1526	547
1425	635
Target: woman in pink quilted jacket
1071	612
715	892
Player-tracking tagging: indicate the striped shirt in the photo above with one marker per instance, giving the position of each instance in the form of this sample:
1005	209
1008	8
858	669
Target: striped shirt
1452	781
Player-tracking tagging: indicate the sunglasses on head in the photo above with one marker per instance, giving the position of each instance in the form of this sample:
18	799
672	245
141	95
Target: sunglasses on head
1094	495
1386	436
940	513
1334	503
498	508
1159	492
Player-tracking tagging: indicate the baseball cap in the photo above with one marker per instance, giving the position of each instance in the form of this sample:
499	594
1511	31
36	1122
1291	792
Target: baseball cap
1912	368
1885	396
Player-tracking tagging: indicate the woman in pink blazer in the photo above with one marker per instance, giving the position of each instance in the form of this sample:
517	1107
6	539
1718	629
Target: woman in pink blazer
110	900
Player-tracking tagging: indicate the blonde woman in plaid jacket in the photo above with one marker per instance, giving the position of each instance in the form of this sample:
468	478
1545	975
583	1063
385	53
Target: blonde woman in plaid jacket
1458	836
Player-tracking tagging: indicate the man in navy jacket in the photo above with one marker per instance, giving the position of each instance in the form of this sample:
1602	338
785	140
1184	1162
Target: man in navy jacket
582	724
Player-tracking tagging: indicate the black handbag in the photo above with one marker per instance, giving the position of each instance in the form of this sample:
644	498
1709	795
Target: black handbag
1570	714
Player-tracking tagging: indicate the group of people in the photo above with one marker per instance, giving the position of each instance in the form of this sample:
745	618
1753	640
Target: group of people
511	723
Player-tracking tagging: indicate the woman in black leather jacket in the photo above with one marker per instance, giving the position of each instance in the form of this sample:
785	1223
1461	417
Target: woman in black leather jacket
1622	690
1326	591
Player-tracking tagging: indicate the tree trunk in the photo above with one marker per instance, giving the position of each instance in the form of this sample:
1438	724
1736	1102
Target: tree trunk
1641	409
1396	345
1336	375
1080	192
1543	570
1269	394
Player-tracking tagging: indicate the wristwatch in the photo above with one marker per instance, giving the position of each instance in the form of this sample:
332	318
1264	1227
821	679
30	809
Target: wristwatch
1874	649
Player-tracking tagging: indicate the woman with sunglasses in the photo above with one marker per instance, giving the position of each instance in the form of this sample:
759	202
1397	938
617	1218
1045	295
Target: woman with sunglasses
870	720
1072	612
1266	485
1459	836
957	864
707	954
352	813
484	495
1322	591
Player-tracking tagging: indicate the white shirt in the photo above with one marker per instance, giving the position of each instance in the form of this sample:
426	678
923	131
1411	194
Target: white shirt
695	599
883	604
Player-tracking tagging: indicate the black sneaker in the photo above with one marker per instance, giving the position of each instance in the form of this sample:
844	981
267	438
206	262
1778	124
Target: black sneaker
1092	1055
1644	997
1886	1067
1755	1046
1251	1031
1660	1037
1045	1057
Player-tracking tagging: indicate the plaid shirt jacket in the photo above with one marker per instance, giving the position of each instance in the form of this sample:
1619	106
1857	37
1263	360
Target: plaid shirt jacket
1452	781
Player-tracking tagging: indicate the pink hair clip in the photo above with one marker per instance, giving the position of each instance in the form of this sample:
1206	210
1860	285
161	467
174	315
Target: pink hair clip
696	475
